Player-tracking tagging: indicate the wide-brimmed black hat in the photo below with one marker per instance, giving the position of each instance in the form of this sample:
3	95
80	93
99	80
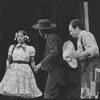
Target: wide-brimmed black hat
44	24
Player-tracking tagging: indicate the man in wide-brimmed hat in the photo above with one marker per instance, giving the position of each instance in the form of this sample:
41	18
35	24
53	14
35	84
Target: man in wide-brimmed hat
53	62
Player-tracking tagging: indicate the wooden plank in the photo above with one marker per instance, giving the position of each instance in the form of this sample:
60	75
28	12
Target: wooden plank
86	16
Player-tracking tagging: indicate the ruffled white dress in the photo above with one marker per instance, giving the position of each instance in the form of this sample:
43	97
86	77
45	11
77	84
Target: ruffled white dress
19	79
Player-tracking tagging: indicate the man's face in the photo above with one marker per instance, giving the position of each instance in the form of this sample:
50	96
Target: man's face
42	33
73	32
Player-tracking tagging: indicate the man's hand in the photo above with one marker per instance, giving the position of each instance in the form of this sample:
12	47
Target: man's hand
75	54
44	68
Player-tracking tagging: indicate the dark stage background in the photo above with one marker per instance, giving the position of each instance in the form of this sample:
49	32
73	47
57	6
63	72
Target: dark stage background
22	14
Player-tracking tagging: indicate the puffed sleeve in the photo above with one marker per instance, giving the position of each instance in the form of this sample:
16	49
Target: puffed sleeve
32	51
10	50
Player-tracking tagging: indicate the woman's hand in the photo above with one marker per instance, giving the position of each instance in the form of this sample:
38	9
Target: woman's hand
8	67
37	67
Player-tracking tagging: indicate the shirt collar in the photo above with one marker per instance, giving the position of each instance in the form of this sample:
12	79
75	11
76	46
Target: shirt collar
80	33
23	45
45	36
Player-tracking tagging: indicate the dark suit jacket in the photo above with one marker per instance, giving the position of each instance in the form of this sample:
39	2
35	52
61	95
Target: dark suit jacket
53	60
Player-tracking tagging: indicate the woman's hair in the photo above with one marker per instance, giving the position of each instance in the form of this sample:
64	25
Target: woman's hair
77	23
24	33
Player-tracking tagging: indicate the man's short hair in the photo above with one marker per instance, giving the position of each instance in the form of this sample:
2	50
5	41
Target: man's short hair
77	23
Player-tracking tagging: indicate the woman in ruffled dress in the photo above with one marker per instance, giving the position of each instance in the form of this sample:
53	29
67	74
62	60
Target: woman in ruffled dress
19	79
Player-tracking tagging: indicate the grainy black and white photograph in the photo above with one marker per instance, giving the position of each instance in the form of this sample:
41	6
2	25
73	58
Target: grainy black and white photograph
49	49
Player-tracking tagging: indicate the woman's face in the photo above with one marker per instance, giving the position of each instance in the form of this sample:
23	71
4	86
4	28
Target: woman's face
20	38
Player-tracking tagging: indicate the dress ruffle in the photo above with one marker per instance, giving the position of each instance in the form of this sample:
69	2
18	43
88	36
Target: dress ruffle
19	80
